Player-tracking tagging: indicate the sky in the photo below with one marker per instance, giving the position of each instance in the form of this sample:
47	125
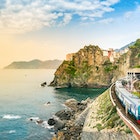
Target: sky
50	29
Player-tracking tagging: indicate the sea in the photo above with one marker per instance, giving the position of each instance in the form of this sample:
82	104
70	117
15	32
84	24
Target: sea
23	101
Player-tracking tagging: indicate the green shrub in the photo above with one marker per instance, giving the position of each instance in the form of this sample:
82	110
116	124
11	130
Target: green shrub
127	130
71	69
99	126
138	66
137	94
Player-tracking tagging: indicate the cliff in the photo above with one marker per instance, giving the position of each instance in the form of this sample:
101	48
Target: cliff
129	60
86	69
34	64
89	68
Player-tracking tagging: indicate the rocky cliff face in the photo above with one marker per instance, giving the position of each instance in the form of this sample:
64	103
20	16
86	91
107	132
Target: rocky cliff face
86	69
89	68
129	60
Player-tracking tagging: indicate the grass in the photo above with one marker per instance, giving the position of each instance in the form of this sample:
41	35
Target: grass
107	114
136	93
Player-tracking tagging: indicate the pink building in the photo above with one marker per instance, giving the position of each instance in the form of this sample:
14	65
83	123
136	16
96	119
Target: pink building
111	54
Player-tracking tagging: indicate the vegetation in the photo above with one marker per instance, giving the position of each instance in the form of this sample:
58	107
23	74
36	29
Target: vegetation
84	71
138	55
135	55
137	44
89	68
123	58
137	66
137	88
108	116
136	93
109	67
71	69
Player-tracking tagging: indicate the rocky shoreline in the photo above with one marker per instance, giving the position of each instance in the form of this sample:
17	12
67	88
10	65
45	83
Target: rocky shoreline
84	121
68	123
103	122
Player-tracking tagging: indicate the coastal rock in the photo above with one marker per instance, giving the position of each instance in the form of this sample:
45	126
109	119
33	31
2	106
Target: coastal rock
59	124
51	121
72	104
43	84
76	106
39	121
87	124
47	103
72	128
64	114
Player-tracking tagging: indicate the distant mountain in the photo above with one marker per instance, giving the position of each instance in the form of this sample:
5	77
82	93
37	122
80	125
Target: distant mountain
35	64
126	46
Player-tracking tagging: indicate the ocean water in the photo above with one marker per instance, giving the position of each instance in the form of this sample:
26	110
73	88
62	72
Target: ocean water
22	99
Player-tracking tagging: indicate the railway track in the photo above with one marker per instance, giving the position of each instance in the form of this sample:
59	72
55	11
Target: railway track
133	125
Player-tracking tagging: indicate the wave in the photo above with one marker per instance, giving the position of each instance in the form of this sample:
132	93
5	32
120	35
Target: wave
9	116
12	131
43	123
46	125
34	119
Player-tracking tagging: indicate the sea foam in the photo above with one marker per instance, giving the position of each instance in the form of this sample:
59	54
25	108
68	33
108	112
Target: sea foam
9	116
34	119
12	131
46	125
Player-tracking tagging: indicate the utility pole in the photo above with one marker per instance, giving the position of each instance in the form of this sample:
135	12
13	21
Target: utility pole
131	81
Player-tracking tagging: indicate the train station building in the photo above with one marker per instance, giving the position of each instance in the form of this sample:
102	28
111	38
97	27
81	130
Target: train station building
135	73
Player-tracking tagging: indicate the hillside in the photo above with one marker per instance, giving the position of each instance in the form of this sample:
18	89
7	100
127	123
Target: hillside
103	122
90	68
34	64
86	69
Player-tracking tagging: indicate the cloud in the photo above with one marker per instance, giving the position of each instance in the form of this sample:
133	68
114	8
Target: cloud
66	19
106	21
27	15
132	14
